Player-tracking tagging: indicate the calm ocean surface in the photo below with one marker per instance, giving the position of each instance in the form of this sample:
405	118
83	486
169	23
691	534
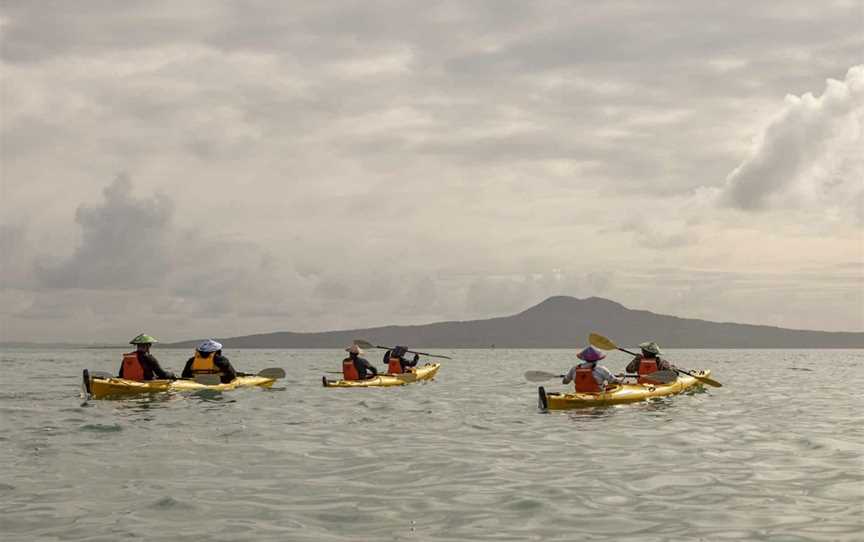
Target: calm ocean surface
776	454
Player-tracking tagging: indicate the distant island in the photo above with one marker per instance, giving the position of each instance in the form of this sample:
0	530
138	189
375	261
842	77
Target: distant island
559	322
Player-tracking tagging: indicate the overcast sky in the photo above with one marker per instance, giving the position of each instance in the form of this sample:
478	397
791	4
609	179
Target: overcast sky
193	169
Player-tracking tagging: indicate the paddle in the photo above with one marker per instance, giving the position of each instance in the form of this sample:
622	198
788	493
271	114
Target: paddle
270	372
604	343
540	376
366	344
214	379
660	377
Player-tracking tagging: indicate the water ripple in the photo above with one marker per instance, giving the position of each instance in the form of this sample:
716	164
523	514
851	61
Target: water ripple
461	458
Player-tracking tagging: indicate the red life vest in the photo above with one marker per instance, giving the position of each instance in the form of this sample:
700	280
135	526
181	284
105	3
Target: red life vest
584	380
131	369
349	371
646	367
394	366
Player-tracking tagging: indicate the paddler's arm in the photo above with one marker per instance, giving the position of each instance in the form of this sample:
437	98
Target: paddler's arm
225	366
568	378
633	366
607	375
187	370
151	360
370	369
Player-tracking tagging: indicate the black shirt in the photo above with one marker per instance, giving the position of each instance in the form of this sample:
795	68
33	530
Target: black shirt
364	368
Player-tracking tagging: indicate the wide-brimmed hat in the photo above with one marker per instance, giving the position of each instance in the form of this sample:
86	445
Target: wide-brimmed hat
354	349
209	346
590	354
651	347
143	339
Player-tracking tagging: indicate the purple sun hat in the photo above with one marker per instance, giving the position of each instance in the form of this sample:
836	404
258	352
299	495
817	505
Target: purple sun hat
590	354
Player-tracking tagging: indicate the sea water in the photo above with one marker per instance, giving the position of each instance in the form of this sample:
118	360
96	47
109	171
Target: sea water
775	454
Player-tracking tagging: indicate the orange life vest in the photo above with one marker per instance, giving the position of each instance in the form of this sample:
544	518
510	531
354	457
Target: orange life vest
204	366
131	367
349	371
584	380
646	367
394	366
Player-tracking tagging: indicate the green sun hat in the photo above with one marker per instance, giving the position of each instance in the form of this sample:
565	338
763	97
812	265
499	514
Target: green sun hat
143	339
651	347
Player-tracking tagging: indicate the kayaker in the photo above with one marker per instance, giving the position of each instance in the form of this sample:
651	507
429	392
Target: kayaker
648	361
588	377
208	360
356	368
141	365
396	362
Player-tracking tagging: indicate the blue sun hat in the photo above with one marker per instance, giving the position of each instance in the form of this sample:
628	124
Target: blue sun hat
209	346
590	354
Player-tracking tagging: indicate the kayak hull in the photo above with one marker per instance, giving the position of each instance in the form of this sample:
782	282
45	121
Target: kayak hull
621	394
104	388
417	374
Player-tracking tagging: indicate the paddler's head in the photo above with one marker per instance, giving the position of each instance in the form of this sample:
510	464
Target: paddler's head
142	342
354	350
591	355
650	349
208	347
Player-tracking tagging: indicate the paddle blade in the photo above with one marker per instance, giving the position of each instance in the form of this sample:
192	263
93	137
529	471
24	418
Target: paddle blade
601	342
428	355
540	376
702	379
272	372
709	381
363	344
662	377
208	380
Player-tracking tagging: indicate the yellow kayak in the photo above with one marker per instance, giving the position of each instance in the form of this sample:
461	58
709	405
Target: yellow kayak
99	387
425	372
620	394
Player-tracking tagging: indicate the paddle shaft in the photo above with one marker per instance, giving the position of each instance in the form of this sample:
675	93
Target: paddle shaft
705	379
416	352
366	344
538	376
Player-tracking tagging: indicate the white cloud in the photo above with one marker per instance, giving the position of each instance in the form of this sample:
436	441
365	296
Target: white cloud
810	155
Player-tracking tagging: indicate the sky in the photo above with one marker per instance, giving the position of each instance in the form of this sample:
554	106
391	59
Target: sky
191	169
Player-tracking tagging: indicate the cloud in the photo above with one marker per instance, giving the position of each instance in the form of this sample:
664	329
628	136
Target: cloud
371	163
124	243
810	154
